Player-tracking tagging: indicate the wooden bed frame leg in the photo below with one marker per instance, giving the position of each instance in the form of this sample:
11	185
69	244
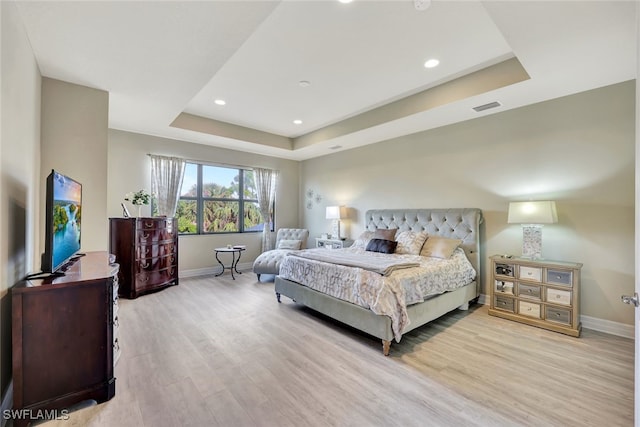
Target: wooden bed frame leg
386	345
278	297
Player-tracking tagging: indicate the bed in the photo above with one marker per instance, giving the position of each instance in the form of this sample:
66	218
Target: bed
459	223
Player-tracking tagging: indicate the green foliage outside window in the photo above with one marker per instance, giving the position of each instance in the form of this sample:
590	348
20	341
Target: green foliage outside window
215	199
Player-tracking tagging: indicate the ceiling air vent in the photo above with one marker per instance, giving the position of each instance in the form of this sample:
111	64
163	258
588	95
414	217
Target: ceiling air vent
487	106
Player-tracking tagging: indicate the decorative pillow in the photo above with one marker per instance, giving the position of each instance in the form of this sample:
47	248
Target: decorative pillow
410	242
385	233
382	245
363	239
439	247
289	244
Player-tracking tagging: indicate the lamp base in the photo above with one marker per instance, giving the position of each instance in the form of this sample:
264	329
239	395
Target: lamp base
335	229
532	241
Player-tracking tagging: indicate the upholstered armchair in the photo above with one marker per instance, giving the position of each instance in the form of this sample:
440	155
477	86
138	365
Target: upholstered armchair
287	240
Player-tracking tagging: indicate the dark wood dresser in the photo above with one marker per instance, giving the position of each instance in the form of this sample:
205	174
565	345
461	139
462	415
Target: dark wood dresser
64	339
147	250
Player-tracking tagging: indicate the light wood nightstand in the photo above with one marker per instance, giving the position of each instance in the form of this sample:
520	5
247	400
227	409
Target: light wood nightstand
333	243
539	292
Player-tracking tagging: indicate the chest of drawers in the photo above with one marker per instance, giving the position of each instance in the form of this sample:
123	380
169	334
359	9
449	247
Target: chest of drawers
147	250
540	293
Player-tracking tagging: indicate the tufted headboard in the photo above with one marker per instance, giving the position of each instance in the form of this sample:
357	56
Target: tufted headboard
458	223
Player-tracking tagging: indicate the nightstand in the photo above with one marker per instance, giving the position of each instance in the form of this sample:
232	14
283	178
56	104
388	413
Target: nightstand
539	292
333	243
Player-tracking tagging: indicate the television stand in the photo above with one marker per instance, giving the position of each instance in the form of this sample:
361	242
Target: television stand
64	336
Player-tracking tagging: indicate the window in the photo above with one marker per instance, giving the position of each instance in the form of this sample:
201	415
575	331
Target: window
216	199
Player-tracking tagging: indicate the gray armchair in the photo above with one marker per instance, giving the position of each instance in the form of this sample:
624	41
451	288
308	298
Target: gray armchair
287	240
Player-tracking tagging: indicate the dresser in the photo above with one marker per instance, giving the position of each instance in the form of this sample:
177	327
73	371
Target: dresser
147	250
540	293
64	338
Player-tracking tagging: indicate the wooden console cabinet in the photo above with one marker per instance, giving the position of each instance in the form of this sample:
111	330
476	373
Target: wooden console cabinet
541	293
64	337
147	251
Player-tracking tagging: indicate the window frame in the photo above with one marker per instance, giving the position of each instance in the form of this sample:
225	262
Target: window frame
241	200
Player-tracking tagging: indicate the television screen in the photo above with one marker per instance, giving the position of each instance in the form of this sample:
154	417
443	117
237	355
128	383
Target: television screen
63	221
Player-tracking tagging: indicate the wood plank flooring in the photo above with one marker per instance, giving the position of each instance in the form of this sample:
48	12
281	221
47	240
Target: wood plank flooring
219	352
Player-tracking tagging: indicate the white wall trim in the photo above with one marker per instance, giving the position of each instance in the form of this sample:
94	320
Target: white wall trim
483	299
7	403
593	323
245	267
607	326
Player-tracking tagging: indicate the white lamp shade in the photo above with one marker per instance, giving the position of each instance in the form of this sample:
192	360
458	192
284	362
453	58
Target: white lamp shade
539	212
335	212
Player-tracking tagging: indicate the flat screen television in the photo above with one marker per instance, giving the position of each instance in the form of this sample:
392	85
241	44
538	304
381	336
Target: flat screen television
63	222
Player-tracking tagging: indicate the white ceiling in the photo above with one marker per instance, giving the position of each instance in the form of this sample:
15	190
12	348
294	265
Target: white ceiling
160	59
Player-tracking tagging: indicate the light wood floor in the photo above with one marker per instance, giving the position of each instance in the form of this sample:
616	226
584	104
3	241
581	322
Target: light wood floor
218	352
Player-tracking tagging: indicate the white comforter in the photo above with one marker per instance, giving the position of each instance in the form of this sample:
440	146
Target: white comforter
384	295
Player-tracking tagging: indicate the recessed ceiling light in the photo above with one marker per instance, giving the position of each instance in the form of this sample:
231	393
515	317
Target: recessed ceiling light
297	122
345	1
304	83
431	63
220	102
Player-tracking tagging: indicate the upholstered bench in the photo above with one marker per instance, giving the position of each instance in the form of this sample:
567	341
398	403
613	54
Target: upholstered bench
287	240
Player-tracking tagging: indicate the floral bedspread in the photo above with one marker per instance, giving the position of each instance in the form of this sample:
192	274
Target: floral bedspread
384	295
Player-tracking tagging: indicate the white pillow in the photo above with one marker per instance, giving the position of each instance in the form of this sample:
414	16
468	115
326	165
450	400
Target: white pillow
363	239
410	242
289	244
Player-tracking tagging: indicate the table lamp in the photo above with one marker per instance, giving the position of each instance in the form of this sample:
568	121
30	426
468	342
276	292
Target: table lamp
335	213
532	216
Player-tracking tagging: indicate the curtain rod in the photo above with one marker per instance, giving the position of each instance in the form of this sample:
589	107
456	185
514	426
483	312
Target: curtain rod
209	163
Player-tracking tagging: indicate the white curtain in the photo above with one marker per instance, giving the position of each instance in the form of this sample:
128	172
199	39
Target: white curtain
166	180
266	182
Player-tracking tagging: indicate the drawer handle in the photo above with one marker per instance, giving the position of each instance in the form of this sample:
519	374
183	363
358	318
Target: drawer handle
558	277
529	273
557	314
557	296
528	308
503	303
528	291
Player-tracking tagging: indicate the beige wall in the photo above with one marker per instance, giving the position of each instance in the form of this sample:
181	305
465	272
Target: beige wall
130	170
74	142
19	170
577	150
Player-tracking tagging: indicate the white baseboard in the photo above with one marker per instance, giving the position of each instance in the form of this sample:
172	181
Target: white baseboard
483	300
607	326
593	323
7	403
243	267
